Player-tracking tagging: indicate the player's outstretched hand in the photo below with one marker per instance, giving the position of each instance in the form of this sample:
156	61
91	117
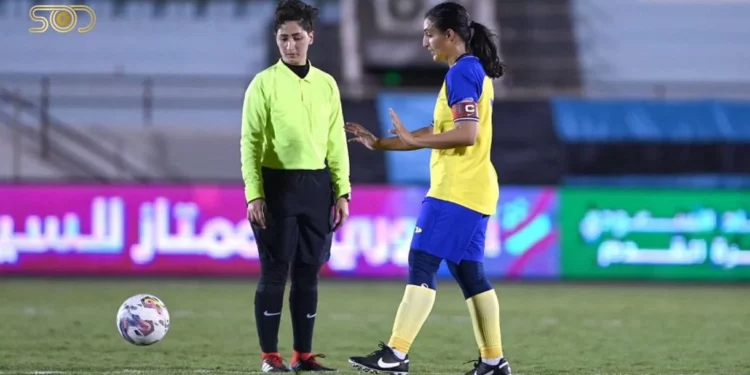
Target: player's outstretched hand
399	129
361	135
256	212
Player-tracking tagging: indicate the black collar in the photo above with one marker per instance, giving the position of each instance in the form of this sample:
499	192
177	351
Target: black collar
300	70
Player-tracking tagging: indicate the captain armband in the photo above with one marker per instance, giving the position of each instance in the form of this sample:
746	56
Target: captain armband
465	111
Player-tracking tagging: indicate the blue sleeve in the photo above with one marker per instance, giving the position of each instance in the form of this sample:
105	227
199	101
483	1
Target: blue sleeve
462	82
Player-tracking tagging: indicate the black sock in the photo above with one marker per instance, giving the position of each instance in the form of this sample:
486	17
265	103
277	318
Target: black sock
303	304
269	300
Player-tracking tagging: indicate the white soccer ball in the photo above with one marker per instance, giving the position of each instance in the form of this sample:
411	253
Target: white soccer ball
143	319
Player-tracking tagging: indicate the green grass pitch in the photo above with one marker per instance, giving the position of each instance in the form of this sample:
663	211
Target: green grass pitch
68	327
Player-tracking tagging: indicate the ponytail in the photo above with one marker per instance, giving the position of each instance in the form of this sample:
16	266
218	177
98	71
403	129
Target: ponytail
484	45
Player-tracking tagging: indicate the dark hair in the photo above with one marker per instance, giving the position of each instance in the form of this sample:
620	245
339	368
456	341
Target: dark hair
480	41
294	10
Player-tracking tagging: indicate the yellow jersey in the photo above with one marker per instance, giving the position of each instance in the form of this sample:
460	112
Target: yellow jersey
465	175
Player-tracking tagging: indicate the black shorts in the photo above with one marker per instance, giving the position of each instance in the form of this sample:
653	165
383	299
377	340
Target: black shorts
299	216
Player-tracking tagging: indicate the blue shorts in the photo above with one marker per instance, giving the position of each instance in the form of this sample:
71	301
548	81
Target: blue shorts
450	231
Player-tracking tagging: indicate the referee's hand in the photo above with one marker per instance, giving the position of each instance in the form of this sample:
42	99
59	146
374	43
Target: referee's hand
256	212
340	213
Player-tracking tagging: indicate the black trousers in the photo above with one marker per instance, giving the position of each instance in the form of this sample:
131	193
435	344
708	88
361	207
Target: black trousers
299	217
296	243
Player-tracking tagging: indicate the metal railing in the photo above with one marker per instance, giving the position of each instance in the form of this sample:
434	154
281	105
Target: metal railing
95	154
147	94
144	91
57	156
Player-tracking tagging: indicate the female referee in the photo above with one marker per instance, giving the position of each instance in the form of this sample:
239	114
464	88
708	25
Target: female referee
292	126
463	191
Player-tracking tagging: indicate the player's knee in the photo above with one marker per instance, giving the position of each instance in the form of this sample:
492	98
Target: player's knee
470	277
305	276
423	268
273	275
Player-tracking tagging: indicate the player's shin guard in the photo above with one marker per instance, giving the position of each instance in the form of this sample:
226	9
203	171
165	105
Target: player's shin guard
413	311
483	307
485	317
417	302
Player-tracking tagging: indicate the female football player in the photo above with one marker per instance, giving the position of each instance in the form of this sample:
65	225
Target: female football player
463	191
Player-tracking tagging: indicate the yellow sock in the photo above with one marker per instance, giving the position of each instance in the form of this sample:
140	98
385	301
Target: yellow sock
414	309
485	317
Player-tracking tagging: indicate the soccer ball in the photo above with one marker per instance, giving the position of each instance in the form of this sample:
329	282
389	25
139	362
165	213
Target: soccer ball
143	320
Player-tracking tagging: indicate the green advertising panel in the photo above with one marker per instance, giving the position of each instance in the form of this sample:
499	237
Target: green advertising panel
655	234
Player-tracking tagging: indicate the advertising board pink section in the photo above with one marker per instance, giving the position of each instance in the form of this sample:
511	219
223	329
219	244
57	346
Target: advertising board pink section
106	230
